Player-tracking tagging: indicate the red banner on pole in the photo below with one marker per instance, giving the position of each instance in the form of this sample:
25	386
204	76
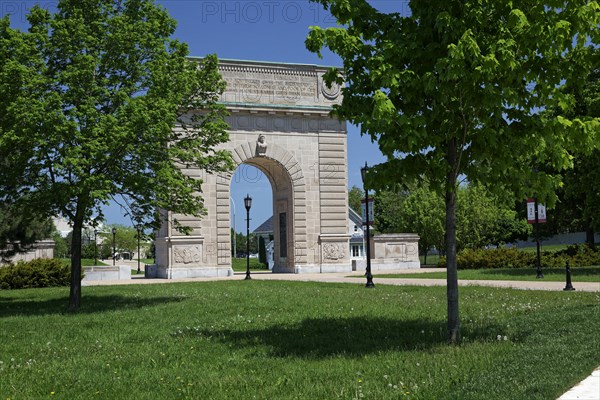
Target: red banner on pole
531	211
371	211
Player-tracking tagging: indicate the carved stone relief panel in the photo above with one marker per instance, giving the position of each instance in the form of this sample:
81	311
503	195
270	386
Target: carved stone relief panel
334	251
184	255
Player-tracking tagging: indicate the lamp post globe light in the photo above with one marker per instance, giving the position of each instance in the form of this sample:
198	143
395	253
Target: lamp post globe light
114	232
248	205
363	172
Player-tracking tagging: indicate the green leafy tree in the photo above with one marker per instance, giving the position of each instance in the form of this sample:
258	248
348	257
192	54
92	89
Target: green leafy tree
580	200
241	243
102	102
262	250
125	238
61	246
419	210
20	228
355	197
456	88
483	219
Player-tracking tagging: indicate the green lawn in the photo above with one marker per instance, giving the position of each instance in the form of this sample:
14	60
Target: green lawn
239	265
585	274
294	340
85	262
432	259
149	261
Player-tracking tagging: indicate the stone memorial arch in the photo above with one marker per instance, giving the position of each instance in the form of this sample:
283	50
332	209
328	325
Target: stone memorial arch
280	123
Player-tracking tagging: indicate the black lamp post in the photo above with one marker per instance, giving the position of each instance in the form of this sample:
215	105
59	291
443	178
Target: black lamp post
114	232
95	247
248	205
538	259
363	172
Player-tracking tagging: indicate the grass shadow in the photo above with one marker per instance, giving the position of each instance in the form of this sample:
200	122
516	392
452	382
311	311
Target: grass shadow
319	338
10	307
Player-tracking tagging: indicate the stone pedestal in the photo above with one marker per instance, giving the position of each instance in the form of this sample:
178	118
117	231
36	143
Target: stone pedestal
395	251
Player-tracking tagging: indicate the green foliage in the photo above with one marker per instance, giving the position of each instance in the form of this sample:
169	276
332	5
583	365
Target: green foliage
491	258
482	218
35	274
242	244
20	228
126	238
88	250
61	245
446	89
578	208
455	88
355	197
576	256
102	102
419	210
262	250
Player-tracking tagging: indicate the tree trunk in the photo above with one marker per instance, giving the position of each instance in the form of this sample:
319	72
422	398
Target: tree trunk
589	234
75	293
451	267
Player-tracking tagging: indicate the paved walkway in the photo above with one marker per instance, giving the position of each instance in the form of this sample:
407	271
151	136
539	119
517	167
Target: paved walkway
588	389
354	277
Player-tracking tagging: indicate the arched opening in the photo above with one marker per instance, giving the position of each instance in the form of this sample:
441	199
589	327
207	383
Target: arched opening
271	216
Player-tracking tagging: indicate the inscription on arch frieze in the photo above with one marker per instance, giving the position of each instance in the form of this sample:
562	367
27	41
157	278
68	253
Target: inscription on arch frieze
283	123
277	84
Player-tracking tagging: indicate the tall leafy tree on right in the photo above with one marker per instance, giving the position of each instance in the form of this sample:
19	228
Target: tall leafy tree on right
457	89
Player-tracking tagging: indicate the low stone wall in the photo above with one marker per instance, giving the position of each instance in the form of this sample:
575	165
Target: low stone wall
107	273
41	249
392	251
156	271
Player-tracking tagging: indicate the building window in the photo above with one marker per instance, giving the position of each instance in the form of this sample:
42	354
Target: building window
357	250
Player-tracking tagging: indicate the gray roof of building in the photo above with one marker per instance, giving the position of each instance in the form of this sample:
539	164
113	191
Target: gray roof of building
265	227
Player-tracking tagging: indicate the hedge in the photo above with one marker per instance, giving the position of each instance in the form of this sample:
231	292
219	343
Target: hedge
37	273
576	255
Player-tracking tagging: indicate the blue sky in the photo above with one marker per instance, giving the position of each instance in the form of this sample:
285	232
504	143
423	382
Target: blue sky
248	30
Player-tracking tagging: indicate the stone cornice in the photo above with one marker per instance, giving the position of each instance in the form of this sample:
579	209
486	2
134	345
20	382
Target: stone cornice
277	86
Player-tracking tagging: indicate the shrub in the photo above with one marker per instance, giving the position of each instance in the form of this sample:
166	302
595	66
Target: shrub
577	256
493	258
35	274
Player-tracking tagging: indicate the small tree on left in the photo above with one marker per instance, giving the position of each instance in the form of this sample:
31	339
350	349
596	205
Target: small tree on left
97	101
